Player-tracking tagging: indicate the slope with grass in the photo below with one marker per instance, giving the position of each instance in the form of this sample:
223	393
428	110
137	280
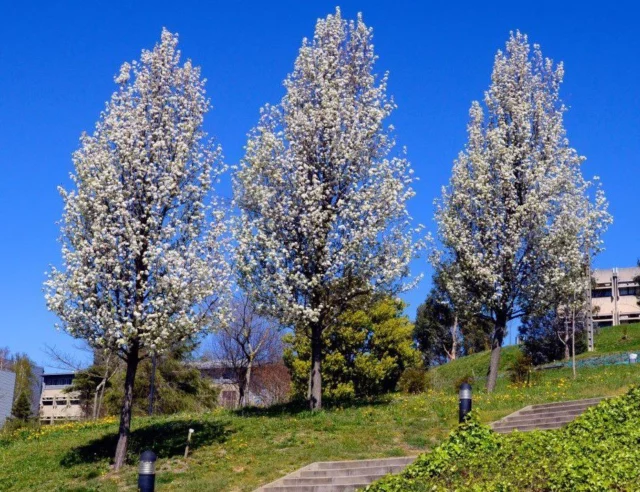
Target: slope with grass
238	451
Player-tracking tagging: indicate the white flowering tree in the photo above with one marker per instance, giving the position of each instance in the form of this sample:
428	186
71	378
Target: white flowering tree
323	203
144	256
516	219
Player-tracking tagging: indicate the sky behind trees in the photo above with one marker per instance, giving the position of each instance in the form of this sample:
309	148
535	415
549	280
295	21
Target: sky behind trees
59	63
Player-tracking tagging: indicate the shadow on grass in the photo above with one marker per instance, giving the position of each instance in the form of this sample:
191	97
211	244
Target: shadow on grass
302	406
166	439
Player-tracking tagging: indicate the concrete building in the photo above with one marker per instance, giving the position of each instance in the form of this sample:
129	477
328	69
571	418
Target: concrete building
55	403
7	385
614	296
8	392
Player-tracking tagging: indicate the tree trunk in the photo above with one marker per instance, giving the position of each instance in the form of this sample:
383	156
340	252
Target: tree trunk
243	386
573	342
454	339
127	406
496	345
567	352
152	385
315	390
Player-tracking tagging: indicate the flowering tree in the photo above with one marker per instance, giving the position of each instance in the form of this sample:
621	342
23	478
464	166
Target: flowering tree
144	261
516	219
323	203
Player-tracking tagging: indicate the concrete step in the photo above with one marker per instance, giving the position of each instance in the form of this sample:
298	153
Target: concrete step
354	479
337	476
337	465
538	418
566	404
544	416
347	472
521	425
546	413
553	411
526	428
316	488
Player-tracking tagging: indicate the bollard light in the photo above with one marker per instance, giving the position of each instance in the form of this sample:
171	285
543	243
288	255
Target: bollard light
465	401
147	471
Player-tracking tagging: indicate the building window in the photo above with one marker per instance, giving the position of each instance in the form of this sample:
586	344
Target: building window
601	293
629	291
58	381
47	403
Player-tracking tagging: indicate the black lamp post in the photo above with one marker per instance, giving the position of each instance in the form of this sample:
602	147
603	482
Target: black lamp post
147	471
465	401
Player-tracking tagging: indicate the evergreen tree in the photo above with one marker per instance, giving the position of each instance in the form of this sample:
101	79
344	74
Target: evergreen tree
21	409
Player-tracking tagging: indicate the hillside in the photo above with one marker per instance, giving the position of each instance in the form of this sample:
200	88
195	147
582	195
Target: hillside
235	451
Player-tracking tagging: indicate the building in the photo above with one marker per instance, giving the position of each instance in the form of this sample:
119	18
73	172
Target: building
614	296
270	382
56	404
7	385
8	392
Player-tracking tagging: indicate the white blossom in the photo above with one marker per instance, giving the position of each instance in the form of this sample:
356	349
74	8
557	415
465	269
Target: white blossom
516	219
323	201
144	258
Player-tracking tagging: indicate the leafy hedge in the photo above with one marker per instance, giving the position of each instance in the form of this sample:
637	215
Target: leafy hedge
599	451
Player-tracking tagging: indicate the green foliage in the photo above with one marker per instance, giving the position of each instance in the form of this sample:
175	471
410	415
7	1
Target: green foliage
414	380
364	353
24	376
84	385
178	388
520	369
21	409
467	378
438	325
543	336
597	452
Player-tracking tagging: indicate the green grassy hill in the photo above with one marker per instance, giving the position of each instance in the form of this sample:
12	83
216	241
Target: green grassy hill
236	451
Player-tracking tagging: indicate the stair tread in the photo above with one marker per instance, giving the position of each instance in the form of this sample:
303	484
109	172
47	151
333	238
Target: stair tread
347	472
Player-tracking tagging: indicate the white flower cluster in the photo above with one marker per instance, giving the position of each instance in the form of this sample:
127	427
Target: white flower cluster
323	204
517	220
144	257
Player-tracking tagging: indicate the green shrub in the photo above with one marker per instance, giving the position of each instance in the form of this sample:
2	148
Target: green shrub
597	452
467	378
520	369
364	352
413	380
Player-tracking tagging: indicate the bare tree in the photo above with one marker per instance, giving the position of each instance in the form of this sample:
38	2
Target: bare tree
105	366
249	339
6	362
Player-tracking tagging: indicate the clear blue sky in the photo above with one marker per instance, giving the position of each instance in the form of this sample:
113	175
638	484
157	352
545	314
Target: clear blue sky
59	59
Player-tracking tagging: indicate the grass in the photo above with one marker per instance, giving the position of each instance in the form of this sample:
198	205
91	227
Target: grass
610	340
234	451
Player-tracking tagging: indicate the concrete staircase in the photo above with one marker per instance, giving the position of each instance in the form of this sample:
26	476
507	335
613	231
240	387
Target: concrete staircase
544	416
337	476
346	476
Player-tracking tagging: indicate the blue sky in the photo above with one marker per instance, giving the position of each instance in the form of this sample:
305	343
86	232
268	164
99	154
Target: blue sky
58	63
